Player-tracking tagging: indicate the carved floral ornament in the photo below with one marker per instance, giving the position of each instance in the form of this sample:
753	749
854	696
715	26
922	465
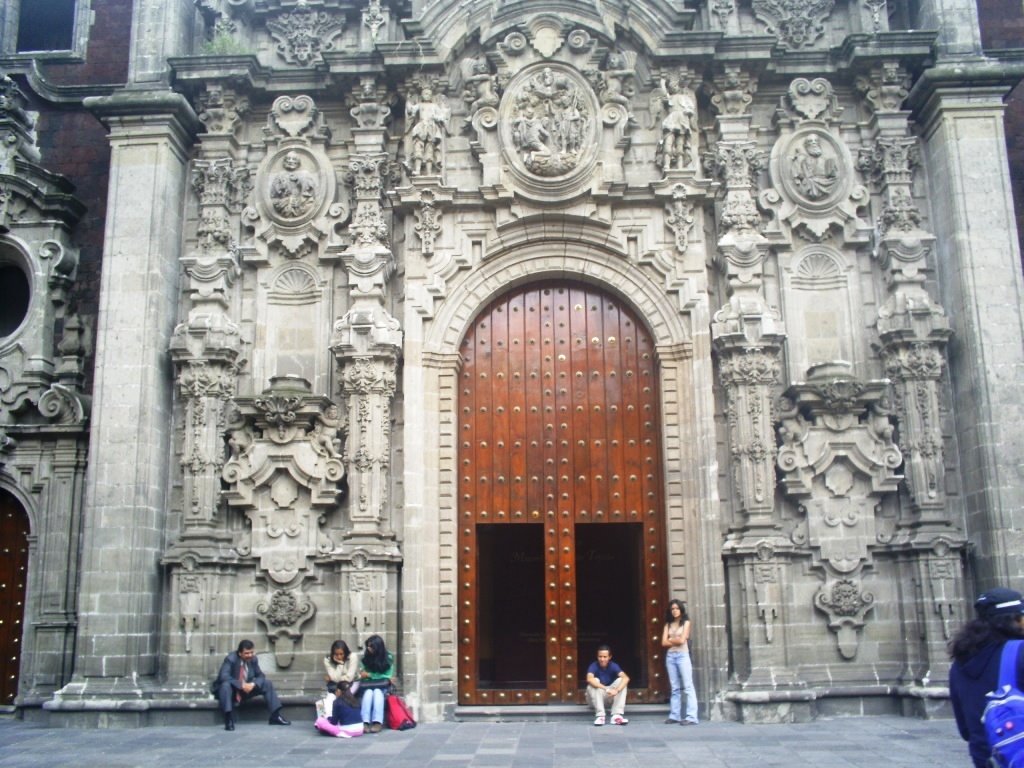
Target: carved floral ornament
549	122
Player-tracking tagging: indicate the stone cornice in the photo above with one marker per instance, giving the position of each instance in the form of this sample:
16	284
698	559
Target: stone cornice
966	76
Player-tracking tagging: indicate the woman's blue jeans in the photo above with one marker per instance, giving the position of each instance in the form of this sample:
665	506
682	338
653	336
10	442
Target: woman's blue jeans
372	708
680	676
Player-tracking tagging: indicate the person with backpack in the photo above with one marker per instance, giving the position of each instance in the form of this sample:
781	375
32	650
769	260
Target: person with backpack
976	650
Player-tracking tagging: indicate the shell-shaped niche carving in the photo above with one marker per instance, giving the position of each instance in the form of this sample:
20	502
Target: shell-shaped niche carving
549	123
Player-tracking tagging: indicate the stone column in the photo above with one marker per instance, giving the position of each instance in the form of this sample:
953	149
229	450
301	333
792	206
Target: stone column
981	286
367	345
748	336
128	477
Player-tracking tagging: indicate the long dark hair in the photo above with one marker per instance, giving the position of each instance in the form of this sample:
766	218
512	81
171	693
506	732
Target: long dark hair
375	654
979	632
339	645
344	693
683	618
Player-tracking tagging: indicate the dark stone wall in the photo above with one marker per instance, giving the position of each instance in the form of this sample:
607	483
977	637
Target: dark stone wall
1002	28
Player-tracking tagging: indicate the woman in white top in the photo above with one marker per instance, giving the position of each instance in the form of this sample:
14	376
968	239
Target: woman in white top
340	665
675	639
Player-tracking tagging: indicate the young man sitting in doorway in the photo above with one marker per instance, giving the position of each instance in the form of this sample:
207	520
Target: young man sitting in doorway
607	683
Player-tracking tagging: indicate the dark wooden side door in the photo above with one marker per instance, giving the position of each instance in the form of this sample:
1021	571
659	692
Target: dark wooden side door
560	538
13	573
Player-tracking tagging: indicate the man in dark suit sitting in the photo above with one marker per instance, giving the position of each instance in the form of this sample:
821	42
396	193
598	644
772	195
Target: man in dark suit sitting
240	678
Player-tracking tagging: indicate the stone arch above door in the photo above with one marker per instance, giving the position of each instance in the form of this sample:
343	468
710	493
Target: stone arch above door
553	260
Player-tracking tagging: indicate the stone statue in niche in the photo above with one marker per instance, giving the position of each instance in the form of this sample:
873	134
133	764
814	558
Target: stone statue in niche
293	191
814	172
551	123
675	105
428	125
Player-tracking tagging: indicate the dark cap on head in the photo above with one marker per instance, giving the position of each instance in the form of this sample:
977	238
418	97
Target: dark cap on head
999	602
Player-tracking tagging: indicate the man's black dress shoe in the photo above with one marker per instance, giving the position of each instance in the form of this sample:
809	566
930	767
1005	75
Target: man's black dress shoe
229	723
278	719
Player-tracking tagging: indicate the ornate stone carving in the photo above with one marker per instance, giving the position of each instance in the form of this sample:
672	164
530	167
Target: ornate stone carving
812	99
284	613
723	9
221	182
280	474
797	23
374	17
428	221
294	191
673	106
846	603
679	217
732	90
481	87
370	104
748	375
838	459
815	190
295	211
190	606
550	121
886	87
304	35
221	110
426	117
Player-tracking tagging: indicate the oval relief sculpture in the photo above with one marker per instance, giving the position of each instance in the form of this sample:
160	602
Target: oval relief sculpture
294	188
814	169
549	127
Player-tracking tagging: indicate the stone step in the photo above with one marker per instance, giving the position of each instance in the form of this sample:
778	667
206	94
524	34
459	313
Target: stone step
552	713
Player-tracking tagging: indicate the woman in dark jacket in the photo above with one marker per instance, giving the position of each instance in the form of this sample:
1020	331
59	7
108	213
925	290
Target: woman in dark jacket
976	650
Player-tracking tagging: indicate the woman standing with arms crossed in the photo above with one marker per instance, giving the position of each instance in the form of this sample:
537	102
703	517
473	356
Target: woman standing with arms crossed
676	638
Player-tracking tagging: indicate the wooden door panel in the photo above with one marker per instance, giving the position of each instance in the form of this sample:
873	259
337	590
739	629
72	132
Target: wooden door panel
558	427
13	573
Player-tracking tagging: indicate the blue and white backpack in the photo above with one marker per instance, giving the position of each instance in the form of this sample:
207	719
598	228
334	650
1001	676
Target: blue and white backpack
1004	714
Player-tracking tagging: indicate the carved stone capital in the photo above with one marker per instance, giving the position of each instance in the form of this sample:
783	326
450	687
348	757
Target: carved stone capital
221	182
886	87
732	89
221	110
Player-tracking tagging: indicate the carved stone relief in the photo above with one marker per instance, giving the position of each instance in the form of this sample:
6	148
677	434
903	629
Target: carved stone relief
305	34
673	110
427	116
815	190
838	460
797	23
548	121
295	208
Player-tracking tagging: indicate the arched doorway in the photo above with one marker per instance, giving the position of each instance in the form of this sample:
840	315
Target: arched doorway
14	532
560	526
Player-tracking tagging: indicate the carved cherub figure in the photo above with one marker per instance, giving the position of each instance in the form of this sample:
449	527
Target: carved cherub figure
325	438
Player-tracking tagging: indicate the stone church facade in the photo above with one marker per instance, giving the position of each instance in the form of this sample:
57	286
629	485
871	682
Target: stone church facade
491	327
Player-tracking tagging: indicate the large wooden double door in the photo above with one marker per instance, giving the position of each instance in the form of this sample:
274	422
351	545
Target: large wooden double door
560	533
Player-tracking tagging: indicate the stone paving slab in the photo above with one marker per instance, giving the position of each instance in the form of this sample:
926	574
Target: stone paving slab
869	742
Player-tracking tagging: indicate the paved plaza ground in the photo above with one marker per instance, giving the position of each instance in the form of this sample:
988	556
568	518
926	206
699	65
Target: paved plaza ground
869	742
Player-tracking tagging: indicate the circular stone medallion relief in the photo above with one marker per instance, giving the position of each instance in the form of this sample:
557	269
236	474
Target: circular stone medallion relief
549	123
